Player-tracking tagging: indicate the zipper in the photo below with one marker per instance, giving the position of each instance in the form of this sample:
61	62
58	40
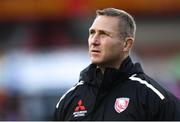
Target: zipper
99	80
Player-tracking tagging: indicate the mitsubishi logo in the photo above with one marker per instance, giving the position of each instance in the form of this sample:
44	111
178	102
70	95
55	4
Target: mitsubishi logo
80	109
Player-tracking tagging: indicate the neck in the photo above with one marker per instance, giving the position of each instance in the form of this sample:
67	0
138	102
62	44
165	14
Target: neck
115	65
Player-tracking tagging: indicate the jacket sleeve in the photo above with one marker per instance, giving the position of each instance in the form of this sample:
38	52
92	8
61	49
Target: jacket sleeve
170	108
160	103
59	111
163	109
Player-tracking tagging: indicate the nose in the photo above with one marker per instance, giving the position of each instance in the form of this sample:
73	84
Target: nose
95	40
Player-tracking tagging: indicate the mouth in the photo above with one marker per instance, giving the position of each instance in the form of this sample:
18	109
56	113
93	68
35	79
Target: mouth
95	51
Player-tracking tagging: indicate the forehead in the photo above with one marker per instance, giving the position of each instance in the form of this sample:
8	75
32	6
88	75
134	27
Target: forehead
106	23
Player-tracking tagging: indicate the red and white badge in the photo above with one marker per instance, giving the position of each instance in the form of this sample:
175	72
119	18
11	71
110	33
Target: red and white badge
121	104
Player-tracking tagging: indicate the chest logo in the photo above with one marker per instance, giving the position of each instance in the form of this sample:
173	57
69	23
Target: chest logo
121	104
80	109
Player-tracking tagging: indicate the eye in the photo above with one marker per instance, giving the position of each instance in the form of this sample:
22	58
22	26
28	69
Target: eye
103	33
91	32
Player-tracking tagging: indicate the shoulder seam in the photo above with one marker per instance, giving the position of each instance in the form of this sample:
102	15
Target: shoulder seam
147	85
71	89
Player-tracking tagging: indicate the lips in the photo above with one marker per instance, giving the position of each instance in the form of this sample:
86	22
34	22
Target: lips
96	51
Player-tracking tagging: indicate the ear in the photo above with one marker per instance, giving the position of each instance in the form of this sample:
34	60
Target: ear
128	43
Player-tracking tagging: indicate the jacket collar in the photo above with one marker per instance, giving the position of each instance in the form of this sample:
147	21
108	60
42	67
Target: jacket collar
111	76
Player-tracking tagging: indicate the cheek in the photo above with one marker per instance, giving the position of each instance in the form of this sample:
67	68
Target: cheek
113	49
89	42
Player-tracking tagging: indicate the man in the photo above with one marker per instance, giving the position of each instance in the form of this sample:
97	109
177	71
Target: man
113	87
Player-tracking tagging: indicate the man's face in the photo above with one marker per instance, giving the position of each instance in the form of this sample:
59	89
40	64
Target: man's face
105	44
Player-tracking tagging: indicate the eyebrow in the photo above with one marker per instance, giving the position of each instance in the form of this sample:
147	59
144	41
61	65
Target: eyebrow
104	31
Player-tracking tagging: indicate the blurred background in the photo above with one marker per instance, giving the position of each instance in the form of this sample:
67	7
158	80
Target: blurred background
43	47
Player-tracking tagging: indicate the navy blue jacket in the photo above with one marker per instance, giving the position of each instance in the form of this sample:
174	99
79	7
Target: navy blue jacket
126	93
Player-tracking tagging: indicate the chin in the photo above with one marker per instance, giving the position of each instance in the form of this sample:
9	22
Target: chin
96	61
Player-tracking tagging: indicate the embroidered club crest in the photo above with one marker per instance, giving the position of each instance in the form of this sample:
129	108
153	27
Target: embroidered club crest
121	104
